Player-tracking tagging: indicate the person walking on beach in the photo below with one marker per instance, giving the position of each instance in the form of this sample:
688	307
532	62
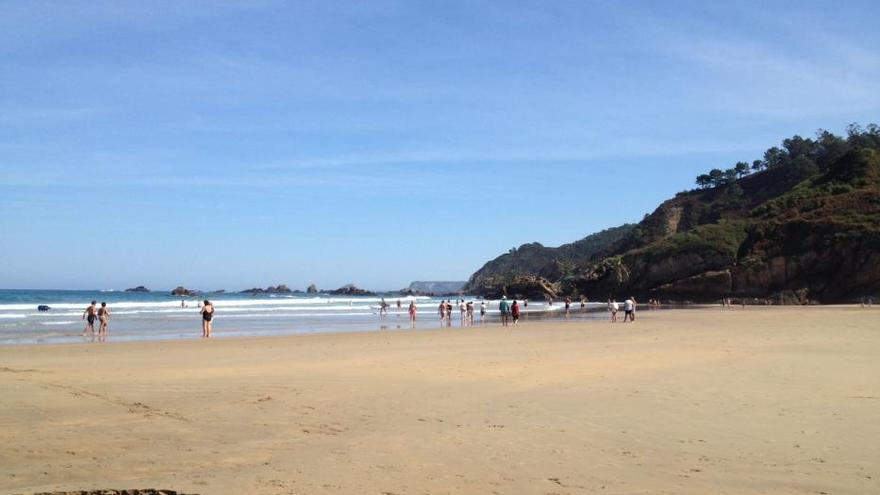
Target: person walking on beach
104	318
629	310
470	312
614	308
89	315
504	307
383	307
442	311
482	311
514	312
412	313
207	317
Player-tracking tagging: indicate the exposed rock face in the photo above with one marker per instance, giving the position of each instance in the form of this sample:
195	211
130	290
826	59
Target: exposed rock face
183	291
773	235
351	290
312	289
139	288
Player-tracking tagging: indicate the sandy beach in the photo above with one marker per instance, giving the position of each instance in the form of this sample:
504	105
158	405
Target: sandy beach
742	401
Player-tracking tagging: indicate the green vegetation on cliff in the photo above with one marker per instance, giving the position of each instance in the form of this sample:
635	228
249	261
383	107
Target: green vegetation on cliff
804	220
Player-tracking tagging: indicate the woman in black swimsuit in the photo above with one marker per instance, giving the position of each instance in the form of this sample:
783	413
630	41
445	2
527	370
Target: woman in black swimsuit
207	316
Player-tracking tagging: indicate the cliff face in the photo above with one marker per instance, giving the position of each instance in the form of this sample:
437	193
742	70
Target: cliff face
796	234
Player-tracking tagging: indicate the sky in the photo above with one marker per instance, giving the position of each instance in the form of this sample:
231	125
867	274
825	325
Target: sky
233	144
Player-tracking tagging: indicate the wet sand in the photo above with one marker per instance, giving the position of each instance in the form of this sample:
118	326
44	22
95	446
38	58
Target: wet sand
741	401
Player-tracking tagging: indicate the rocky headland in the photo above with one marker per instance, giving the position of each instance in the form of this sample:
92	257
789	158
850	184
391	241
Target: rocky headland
802	225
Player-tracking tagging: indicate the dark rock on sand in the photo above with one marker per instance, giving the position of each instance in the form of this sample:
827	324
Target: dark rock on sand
145	491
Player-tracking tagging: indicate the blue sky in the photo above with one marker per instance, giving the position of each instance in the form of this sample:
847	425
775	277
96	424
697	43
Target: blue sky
246	143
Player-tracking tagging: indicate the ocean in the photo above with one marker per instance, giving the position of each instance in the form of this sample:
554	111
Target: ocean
159	316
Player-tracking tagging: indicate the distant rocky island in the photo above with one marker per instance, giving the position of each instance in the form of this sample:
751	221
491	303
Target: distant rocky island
438	288
351	290
139	288
183	291
800	225
278	289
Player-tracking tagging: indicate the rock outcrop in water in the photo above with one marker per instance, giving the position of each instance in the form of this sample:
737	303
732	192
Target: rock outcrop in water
807	228
139	288
278	289
351	290
183	291
312	289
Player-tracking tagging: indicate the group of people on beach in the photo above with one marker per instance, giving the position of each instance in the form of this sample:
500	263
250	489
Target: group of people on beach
510	311
629	309
101	314
466	310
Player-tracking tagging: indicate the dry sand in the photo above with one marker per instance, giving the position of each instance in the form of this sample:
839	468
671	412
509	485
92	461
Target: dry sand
760	400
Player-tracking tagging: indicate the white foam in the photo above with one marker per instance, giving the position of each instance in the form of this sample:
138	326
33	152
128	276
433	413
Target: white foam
219	303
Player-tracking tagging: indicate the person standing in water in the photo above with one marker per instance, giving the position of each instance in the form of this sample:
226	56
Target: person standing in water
567	305
449	312
514	312
90	314
462	312
442	311
412	313
504	307
104	317
629	310
207	317
482	311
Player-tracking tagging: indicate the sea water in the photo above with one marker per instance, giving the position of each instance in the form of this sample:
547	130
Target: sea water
159	315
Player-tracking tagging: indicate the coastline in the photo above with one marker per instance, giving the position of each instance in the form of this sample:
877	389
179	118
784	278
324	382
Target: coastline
775	399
